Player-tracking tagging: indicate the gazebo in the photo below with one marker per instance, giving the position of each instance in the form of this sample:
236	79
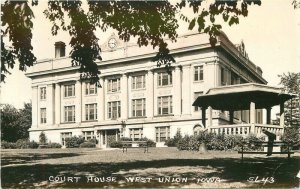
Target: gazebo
249	96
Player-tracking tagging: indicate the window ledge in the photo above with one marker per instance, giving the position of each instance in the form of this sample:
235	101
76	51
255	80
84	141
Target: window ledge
139	89
114	92
199	81
164	115
141	117
87	95
87	121
69	97
164	86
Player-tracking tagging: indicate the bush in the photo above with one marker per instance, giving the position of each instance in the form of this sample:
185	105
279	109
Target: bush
25	143
150	142
8	145
291	136
74	142
125	139
173	142
116	144
253	143
183	143
93	140
42	138
54	145
88	145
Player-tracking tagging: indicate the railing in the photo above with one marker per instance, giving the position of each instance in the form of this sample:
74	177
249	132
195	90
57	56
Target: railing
245	129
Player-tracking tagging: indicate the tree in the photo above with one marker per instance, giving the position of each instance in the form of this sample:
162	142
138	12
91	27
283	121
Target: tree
15	123
42	138
291	83
149	21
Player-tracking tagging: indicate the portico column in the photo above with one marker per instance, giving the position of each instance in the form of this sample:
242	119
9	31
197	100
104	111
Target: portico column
34	106
150	94
281	122
50	104
101	101
252	117
124	97
78	94
204	116
268	115
57	104
186	93
177	93
209	119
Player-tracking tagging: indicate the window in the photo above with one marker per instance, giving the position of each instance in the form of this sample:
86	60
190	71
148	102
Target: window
43	93
198	75
138	82
69	113
64	136
162	134
164	79
90	89
114	85
136	134
196	95
114	110
69	90
225	76
165	105
234	78
43	116
139	107
91	112
88	135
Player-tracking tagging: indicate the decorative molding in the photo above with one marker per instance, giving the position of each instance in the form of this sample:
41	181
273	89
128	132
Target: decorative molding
114	97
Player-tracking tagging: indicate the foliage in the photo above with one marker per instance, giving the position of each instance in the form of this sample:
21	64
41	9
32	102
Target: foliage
116	144
150	142
291	136
87	145
42	138
25	143
291	83
8	145
74	141
125	139
151	22
15	123
54	145
93	140
172	142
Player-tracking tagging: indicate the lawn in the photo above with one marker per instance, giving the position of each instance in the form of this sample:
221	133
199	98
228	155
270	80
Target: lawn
161	167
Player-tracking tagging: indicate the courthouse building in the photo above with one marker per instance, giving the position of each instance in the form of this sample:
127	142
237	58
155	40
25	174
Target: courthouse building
137	98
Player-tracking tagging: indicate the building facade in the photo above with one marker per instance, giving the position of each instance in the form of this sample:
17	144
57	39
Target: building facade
137	99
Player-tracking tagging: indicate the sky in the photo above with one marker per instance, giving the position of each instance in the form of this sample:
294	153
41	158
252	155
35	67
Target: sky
271	34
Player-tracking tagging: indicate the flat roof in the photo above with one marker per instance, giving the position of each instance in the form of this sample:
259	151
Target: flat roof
239	97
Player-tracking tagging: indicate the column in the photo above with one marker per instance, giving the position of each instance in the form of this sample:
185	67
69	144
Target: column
35	107
231	114
50	104
252	117
281	122
186	93
150	94
177	91
57	104
203	116
209	118
268	115
100	108
78	94
124	97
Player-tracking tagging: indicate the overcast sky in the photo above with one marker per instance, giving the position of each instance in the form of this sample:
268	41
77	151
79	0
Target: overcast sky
271	33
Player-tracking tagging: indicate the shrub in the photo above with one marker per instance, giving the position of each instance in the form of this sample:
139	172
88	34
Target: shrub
125	139
74	142
116	144
42	138
8	145
93	140
150	142
253	142
88	145
25	143
173	142
183	143
54	145
291	136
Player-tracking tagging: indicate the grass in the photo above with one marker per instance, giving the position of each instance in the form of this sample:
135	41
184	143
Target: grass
32	168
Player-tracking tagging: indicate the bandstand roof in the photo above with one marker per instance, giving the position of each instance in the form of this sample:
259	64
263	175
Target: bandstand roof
239	97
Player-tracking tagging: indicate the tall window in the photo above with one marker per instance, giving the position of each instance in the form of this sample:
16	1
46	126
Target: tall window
90	89
198	75
138	107
88	135
43	93
165	105
43	116
136	134
114	110
164	79
69	90
69	113
225	76
196	95
138	82
114	85
91	112
162	134
64	136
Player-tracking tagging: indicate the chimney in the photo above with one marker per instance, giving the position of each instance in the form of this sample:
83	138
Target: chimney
60	49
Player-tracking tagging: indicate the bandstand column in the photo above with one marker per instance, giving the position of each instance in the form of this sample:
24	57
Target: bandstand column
252	117
204	116
281	122
269	115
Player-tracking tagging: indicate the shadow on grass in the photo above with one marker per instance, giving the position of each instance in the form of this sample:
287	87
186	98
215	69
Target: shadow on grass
30	157
228	169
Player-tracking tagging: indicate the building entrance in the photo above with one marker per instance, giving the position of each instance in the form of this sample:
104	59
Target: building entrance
108	136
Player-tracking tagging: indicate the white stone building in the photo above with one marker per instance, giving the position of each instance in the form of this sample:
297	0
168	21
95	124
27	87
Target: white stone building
137	99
